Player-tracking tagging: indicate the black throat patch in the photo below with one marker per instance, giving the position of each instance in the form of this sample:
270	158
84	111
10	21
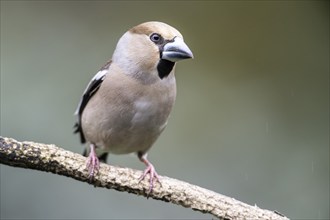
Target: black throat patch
164	68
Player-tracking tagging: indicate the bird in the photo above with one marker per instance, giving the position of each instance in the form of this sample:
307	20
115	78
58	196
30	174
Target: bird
126	105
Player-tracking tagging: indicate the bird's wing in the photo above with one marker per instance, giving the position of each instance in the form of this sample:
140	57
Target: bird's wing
90	90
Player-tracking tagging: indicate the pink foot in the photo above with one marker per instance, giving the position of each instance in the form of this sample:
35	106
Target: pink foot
92	163
151	170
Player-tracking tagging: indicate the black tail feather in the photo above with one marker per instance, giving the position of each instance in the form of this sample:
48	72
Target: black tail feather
78	129
103	157
85	153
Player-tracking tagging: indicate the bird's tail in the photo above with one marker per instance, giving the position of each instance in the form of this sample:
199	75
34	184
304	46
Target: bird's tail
78	129
102	157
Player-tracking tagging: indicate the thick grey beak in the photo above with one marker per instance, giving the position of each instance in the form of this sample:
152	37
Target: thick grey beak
176	50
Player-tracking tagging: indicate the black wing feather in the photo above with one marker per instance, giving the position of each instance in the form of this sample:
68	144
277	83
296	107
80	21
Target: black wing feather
91	89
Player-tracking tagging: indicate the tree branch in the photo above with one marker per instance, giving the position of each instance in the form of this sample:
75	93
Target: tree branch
56	160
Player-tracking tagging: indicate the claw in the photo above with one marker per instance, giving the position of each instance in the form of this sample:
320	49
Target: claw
149	170
92	162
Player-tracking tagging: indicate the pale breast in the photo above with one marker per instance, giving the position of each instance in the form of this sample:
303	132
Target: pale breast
148	121
132	117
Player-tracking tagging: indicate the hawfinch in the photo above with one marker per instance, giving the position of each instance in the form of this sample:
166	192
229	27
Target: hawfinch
126	105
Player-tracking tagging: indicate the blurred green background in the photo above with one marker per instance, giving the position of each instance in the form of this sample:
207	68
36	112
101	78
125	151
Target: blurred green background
251	119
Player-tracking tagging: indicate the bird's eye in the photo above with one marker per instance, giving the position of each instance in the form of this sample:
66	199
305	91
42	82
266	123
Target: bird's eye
156	38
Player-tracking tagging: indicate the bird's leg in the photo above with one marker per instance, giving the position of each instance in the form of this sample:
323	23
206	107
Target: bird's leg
92	163
150	169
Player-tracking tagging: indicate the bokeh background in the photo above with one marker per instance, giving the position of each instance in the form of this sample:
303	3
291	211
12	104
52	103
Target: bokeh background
251	119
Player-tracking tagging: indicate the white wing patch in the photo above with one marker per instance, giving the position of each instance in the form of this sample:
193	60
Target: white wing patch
99	76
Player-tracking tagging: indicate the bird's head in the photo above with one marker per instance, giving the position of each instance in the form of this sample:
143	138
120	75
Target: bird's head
151	48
